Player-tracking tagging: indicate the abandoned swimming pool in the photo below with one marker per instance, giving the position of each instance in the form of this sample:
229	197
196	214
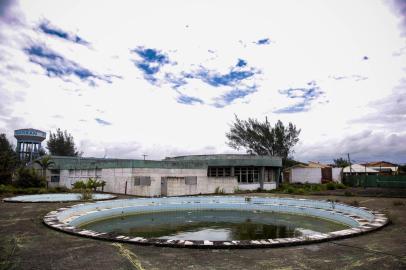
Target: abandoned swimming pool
215	221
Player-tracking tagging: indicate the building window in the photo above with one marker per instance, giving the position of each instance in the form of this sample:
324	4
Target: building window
142	180
55	171
247	174
71	172
55	178
219	172
191	180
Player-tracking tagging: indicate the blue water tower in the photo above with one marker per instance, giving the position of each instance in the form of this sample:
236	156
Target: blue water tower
29	143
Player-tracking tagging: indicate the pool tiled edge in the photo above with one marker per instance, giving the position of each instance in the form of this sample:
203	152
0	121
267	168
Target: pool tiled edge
367	220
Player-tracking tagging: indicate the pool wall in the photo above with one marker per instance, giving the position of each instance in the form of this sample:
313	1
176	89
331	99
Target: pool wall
360	220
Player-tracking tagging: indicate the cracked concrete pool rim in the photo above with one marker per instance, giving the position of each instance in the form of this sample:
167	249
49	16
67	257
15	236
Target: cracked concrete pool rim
360	219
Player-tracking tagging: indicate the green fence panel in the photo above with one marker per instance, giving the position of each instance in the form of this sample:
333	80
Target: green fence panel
386	181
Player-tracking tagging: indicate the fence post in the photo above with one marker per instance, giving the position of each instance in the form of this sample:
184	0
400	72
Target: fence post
125	191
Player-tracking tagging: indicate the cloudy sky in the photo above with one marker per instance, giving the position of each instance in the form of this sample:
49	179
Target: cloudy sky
165	78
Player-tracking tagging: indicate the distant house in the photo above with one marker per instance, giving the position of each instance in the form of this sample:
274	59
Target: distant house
312	173
383	167
358	169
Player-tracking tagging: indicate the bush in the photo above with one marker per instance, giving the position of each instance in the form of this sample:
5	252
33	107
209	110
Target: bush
89	184
330	186
28	177
12	190
315	188
300	191
79	185
86	194
289	190
340	186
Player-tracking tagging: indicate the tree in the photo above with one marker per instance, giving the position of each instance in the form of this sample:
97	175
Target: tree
8	160
45	162
261	138
340	162
61	144
28	177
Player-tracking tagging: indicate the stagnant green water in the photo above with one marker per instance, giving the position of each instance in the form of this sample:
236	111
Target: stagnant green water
214	225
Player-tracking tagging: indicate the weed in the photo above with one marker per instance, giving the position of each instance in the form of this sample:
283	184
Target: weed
330	186
219	190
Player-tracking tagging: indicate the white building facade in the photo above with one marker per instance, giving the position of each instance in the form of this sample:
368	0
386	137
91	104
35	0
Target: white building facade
176	176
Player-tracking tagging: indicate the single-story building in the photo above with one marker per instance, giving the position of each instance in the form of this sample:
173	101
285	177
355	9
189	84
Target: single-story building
312	173
183	175
383	167
358	169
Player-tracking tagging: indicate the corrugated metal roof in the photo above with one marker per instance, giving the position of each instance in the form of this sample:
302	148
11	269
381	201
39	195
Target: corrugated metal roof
357	168
169	163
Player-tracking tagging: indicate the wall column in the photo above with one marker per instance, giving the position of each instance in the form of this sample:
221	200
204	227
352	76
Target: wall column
261	177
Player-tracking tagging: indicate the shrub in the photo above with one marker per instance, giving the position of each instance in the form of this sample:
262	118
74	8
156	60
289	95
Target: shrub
28	177
86	194
330	186
89	184
7	189
79	185
289	190
12	190
315	188
340	186
300	191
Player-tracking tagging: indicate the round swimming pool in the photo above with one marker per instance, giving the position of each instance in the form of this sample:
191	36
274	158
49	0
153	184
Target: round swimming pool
57	197
215	221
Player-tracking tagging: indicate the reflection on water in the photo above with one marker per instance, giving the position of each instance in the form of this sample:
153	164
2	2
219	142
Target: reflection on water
214	225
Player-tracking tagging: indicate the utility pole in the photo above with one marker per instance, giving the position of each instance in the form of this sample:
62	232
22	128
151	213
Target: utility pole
349	161
145	156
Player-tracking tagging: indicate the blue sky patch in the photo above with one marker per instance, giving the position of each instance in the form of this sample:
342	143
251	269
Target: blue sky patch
102	122
232	78
264	41
54	31
241	63
234	94
150	63
188	100
305	96
296	108
56	65
175	82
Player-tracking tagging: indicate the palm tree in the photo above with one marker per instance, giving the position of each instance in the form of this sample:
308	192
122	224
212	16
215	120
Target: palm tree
45	162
